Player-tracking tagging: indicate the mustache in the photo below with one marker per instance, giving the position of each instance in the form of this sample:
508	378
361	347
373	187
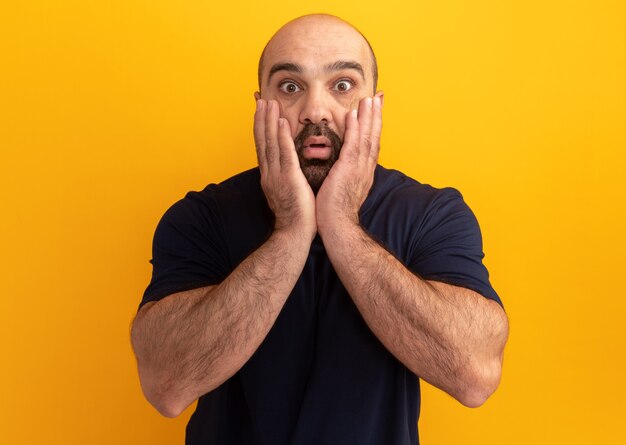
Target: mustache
317	130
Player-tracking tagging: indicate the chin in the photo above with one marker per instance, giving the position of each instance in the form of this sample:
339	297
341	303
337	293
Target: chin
315	175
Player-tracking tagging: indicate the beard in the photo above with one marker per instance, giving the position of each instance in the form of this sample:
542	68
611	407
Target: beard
316	170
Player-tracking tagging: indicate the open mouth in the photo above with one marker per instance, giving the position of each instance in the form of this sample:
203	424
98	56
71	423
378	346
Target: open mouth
317	142
317	147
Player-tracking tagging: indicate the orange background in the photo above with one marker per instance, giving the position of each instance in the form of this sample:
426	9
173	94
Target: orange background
111	111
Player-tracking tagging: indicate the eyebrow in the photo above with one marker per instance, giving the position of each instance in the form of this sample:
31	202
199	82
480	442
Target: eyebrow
332	67
345	65
284	66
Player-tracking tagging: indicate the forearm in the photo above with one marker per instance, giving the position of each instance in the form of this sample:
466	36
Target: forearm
189	343
449	336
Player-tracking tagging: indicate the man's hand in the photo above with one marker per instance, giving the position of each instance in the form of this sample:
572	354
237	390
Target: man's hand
191	342
287	191
349	181
447	335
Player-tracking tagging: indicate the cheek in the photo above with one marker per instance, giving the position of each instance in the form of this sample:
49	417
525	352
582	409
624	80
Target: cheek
344	106
339	118
290	112
340	123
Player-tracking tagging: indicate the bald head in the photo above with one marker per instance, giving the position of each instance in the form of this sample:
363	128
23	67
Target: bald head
313	34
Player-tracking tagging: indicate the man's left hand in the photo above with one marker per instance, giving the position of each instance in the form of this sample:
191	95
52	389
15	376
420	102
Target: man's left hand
349	181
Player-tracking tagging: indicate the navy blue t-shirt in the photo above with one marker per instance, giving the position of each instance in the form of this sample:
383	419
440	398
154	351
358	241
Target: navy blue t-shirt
320	377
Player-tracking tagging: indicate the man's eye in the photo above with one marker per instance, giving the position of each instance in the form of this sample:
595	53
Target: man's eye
289	87
343	85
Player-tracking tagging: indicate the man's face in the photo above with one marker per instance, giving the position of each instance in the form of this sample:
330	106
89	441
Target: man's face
317	68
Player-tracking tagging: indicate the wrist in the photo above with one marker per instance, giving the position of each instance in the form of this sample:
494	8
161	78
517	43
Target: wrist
339	229
297	234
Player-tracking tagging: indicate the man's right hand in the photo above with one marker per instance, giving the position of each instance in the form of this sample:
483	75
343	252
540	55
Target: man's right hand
287	191
189	343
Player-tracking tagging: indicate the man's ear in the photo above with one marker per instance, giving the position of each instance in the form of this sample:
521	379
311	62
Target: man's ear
380	94
257	95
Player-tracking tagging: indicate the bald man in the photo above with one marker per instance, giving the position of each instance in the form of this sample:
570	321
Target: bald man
301	301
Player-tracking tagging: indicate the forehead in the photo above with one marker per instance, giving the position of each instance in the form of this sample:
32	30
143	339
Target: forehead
314	43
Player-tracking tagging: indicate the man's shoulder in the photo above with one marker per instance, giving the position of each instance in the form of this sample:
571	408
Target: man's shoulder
246	179
394	186
243	183
242	186
235	194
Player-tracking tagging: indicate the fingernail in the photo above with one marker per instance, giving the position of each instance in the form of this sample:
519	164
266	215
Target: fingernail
377	102
269	105
368	102
258	104
355	113
281	122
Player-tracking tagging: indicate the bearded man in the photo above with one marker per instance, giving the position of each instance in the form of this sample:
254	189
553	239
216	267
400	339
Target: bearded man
301	302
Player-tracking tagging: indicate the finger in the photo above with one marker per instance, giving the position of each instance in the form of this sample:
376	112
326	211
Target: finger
365	127
377	126
350	147
287	149
259	133
271	135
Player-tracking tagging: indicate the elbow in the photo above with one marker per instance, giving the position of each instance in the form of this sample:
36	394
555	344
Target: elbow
475	397
484	372
152	378
165	406
480	384
169	409
164	400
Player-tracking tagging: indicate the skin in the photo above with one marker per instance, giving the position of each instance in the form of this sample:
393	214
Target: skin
191	342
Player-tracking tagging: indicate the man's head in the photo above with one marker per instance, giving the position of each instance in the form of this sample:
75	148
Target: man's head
318	68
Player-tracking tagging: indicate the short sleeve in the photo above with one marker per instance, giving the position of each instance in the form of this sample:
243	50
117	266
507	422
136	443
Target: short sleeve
449	247
188	249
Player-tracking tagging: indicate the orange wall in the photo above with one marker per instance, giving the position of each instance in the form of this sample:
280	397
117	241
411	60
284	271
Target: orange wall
110	111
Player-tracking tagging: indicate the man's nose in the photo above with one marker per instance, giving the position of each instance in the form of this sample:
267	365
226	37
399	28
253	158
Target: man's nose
316	107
